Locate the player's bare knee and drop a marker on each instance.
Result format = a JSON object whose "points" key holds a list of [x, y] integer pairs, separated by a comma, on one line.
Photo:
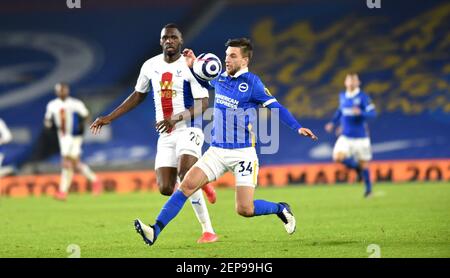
{"points": [[166, 186], [166, 189], [363, 165], [66, 164], [188, 186], [246, 211], [339, 157]]}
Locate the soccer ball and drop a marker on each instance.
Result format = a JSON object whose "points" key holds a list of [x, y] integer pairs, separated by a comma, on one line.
{"points": [[207, 66]]}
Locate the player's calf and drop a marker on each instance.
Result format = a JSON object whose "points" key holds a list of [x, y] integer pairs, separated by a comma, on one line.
{"points": [[166, 178]]}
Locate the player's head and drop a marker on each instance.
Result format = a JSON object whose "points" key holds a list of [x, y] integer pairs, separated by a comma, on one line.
{"points": [[238, 54], [62, 90], [352, 81], [171, 39]]}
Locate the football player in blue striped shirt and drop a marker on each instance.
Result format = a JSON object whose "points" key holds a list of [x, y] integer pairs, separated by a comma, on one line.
{"points": [[238, 92], [352, 147]]}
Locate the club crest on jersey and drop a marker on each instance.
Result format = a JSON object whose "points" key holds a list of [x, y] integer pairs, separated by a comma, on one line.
{"points": [[243, 87], [356, 101]]}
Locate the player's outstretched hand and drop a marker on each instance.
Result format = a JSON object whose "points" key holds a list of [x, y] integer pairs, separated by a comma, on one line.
{"points": [[307, 132], [329, 127], [165, 125], [189, 56], [98, 123]]}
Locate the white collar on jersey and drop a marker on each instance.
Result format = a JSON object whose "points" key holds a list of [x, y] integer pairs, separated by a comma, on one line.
{"points": [[238, 73], [352, 93]]}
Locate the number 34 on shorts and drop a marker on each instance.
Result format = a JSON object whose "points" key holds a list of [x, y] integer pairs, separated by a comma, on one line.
{"points": [[246, 172]]}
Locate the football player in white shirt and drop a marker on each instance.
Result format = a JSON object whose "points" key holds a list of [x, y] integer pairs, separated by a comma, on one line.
{"points": [[176, 93], [69, 116], [5, 138]]}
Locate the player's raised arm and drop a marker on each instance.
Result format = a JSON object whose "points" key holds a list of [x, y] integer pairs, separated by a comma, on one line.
{"points": [[262, 95], [288, 119], [189, 56], [131, 102]]}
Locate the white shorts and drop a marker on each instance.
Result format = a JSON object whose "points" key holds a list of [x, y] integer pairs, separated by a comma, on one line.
{"points": [[359, 148], [243, 163], [181, 141], [70, 146]]}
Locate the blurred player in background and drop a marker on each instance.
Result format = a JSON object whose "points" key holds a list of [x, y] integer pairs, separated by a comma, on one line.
{"points": [[69, 116], [235, 87], [5, 138], [352, 147], [178, 99]]}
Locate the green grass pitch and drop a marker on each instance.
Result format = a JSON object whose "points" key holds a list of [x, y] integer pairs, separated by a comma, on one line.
{"points": [[404, 220]]}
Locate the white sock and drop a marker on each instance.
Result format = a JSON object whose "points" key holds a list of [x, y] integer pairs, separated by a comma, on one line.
{"points": [[201, 211], [87, 172], [66, 179]]}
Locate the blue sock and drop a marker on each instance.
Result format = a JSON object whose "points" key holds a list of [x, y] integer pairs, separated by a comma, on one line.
{"points": [[366, 178], [264, 207], [351, 163], [171, 208]]}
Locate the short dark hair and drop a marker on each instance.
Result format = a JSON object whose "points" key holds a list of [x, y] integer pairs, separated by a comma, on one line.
{"points": [[62, 84], [244, 43], [172, 25]]}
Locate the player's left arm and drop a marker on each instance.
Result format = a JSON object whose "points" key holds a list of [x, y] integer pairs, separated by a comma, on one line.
{"points": [[262, 95], [367, 108]]}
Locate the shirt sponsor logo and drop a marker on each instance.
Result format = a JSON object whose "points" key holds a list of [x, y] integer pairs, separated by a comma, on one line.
{"points": [[166, 89], [227, 101]]}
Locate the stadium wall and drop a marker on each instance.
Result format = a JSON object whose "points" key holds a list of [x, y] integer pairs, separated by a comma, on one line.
{"points": [[295, 174]]}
